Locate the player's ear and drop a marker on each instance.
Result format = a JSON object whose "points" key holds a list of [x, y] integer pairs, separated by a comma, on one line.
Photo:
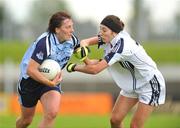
{"points": [[57, 30]]}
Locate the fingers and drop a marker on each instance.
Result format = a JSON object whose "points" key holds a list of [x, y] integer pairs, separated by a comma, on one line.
{"points": [[58, 78], [70, 67], [82, 53]]}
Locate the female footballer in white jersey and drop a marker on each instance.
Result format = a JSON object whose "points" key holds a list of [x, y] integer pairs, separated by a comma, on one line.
{"points": [[131, 68], [58, 43]]}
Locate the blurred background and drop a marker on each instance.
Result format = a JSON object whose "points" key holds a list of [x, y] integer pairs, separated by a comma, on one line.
{"points": [[153, 23]]}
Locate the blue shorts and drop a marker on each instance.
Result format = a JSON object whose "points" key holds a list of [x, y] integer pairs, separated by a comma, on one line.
{"points": [[30, 91]]}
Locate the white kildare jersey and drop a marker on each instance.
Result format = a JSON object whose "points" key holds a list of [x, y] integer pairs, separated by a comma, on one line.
{"points": [[129, 64]]}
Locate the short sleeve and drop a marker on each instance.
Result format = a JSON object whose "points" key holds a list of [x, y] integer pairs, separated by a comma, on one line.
{"points": [[40, 51], [116, 52]]}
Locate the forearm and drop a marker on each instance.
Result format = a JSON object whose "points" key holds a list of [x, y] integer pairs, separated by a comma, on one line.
{"points": [[92, 68], [36, 75], [89, 41], [88, 61], [89, 69]]}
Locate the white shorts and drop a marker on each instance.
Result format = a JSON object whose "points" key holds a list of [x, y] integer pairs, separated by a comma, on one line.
{"points": [[152, 93]]}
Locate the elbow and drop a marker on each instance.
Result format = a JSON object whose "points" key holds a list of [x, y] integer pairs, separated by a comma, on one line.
{"points": [[30, 71], [94, 72]]}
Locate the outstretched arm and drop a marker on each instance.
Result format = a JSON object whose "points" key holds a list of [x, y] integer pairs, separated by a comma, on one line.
{"points": [[83, 51], [89, 69], [88, 61], [89, 41]]}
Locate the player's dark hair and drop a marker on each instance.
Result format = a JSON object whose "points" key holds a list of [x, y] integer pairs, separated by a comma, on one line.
{"points": [[113, 22], [56, 20]]}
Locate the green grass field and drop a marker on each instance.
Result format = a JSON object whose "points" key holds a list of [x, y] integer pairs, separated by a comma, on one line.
{"points": [[161, 52], [67, 121]]}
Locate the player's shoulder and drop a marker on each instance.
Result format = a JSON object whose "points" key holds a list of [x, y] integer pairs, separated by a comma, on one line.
{"points": [[42, 36], [41, 40], [126, 37], [123, 33], [125, 43]]}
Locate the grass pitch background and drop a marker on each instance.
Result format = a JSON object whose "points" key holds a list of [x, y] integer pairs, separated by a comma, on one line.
{"points": [[95, 121], [161, 52]]}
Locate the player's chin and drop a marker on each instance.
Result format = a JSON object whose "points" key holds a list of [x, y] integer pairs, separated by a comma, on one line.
{"points": [[105, 41], [69, 37]]}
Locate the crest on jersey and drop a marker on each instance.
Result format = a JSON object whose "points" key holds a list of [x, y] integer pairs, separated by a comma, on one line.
{"points": [[40, 55]]}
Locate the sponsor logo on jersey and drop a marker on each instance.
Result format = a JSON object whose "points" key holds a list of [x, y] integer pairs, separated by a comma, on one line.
{"points": [[40, 55]]}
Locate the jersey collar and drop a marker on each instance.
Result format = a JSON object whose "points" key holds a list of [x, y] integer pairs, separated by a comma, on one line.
{"points": [[114, 40]]}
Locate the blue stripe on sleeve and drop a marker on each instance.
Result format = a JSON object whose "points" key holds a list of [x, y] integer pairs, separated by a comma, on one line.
{"points": [[120, 44]]}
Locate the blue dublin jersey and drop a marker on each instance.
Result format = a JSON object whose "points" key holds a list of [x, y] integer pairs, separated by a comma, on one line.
{"points": [[47, 46]]}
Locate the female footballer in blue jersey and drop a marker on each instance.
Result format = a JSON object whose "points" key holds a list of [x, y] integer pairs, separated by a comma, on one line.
{"points": [[131, 68], [58, 43]]}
